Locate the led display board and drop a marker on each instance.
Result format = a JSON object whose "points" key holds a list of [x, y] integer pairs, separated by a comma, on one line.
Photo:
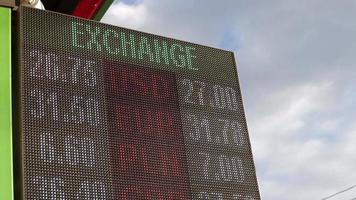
{"points": [[111, 113]]}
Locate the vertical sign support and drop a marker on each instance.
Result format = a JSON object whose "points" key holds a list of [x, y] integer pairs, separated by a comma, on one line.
{"points": [[6, 185], [102, 10]]}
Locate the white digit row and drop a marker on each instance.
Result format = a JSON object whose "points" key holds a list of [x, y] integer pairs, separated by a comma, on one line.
{"points": [[220, 196], [82, 110], [222, 168], [48, 66], [54, 189], [210, 195], [76, 151], [228, 132], [216, 96]]}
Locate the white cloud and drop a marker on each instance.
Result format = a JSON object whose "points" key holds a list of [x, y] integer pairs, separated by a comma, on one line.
{"points": [[130, 16], [293, 157], [196, 23], [281, 124]]}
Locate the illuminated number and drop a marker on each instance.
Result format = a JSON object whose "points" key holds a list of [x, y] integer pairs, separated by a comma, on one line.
{"points": [[206, 127], [71, 150], [217, 195], [76, 151], [51, 66], [87, 152], [188, 95], [237, 133], [201, 92], [89, 73], [77, 110], [203, 195], [40, 101], [219, 96], [206, 164], [237, 196], [229, 133], [237, 169], [92, 111], [230, 168], [193, 121], [53, 102], [212, 196], [79, 151], [74, 69], [47, 150], [37, 97], [42, 185], [240, 197], [51, 188], [56, 186], [231, 98], [225, 168], [44, 62], [37, 61], [199, 126], [234, 128], [224, 132], [84, 111], [92, 191]]}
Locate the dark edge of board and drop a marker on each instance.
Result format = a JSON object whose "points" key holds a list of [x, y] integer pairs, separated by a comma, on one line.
{"points": [[17, 105]]}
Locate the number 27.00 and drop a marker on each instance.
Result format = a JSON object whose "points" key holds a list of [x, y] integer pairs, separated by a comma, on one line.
{"points": [[204, 94]]}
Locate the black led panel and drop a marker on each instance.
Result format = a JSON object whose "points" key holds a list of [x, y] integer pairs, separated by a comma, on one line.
{"points": [[110, 113]]}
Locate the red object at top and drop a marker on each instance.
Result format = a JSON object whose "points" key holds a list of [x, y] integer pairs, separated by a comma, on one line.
{"points": [[87, 8]]}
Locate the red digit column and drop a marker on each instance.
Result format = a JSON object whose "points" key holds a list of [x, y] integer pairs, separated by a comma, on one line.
{"points": [[147, 147]]}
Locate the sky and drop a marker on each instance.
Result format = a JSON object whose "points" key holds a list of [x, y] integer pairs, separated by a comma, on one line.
{"points": [[297, 67]]}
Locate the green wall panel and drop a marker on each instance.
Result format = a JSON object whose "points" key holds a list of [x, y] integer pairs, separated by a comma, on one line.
{"points": [[6, 186]]}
